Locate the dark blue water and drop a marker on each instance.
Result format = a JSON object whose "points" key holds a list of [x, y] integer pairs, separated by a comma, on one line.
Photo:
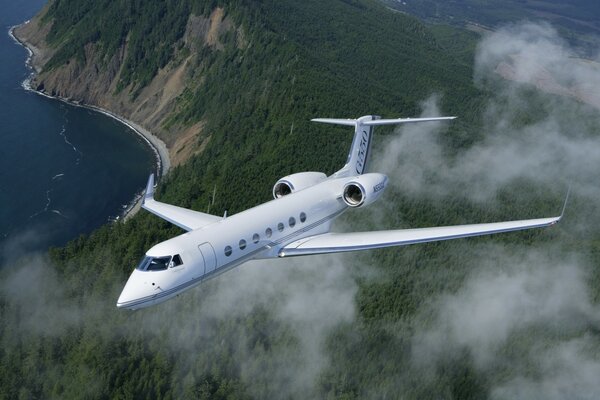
{"points": [[64, 170]]}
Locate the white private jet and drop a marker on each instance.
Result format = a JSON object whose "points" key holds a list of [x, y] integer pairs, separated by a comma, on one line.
{"points": [[295, 223]]}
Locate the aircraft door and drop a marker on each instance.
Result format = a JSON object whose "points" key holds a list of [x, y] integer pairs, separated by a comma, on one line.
{"points": [[210, 258]]}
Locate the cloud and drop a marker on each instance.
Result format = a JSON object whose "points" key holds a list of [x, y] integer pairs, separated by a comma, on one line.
{"points": [[272, 318], [524, 316], [542, 139], [268, 322], [568, 371], [310, 296], [514, 290], [36, 302], [529, 48], [535, 54]]}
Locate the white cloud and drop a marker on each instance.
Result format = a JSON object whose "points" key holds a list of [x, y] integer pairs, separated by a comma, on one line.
{"points": [[568, 371], [505, 294], [554, 144]]}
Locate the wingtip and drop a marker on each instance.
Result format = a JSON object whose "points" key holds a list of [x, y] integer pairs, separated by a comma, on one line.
{"points": [[564, 207], [149, 193]]}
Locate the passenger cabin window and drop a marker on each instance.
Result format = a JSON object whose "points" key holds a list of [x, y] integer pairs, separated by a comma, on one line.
{"points": [[280, 227], [268, 232], [302, 217], [228, 251], [292, 222], [154, 263], [242, 244], [255, 238]]}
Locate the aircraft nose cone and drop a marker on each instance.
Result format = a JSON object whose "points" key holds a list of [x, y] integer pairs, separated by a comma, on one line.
{"points": [[124, 298], [135, 289]]}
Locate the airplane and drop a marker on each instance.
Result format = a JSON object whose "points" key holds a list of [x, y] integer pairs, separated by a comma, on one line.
{"points": [[296, 222]]}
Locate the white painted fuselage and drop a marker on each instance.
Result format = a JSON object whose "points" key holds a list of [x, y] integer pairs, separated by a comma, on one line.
{"points": [[259, 232]]}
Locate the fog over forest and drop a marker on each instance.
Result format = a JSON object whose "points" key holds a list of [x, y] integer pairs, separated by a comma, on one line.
{"points": [[524, 318]]}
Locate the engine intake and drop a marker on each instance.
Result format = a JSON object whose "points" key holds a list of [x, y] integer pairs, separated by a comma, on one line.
{"points": [[354, 194], [295, 182], [364, 189], [282, 188]]}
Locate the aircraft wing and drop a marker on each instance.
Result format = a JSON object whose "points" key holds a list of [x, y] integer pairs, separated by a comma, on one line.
{"points": [[182, 217], [340, 242]]}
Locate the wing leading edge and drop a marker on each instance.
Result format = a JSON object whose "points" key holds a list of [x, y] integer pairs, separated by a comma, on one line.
{"points": [[341, 242], [188, 220]]}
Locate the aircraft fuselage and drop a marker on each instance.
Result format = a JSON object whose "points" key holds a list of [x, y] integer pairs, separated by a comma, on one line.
{"points": [[258, 232]]}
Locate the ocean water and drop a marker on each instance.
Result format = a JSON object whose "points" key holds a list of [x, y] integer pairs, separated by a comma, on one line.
{"points": [[64, 170]]}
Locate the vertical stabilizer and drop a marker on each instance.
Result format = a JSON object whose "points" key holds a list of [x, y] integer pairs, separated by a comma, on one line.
{"points": [[358, 158]]}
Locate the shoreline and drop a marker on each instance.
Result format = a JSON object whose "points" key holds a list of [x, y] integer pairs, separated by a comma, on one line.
{"points": [[158, 147]]}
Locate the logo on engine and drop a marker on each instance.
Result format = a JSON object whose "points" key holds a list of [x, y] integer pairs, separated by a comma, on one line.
{"points": [[379, 186]]}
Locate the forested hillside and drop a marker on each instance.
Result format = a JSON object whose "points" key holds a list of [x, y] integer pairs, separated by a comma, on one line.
{"points": [[578, 20], [469, 319]]}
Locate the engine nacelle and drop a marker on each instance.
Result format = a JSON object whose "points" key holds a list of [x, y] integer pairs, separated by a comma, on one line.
{"points": [[364, 189], [295, 182]]}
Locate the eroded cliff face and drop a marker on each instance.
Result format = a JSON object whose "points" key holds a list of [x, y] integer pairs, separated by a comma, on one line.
{"points": [[94, 80]]}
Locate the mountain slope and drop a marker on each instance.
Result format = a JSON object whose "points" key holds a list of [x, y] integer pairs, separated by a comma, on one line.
{"points": [[171, 80], [252, 73]]}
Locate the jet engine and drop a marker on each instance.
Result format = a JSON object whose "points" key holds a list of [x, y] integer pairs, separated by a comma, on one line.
{"points": [[364, 189], [295, 182]]}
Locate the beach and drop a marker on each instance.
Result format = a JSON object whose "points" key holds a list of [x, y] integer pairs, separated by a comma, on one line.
{"points": [[158, 146], [163, 162]]}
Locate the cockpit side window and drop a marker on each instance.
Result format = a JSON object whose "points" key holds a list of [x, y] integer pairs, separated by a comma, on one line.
{"points": [[176, 261]]}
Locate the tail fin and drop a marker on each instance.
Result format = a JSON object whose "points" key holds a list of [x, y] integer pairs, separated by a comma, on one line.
{"points": [[356, 164]]}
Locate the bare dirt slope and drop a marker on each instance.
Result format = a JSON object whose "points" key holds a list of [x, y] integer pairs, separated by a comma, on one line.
{"points": [[94, 82]]}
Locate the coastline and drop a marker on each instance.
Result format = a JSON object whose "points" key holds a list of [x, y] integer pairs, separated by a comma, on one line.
{"points": [[161, 152]]}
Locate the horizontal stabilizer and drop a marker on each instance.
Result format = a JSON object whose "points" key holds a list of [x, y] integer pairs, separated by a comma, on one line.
{"points": [[341, 242], [188, 220], [335, 121], [378, 122]]}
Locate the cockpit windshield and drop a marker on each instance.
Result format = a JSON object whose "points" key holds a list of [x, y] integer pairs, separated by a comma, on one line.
{"points": [[154, 263], [159, 263]]}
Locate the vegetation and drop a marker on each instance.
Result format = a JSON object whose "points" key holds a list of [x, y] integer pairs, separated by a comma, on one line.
{"points": [[577, 20], [150, 29], [62, 336]]}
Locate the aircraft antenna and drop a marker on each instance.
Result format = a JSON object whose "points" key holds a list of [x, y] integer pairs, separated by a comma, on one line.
{"points": [[212, 202]]}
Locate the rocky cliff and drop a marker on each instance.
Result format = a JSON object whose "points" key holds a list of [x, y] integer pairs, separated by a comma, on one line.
{"points": [[94, 79]]}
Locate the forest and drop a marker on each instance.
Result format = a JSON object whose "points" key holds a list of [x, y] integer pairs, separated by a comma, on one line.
{"points": [[577, 20], [509, 316]]}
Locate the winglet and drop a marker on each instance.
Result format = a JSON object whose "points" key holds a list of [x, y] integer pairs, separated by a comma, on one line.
{"points": [[564, 207], [149, 194], [565, 204]]}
